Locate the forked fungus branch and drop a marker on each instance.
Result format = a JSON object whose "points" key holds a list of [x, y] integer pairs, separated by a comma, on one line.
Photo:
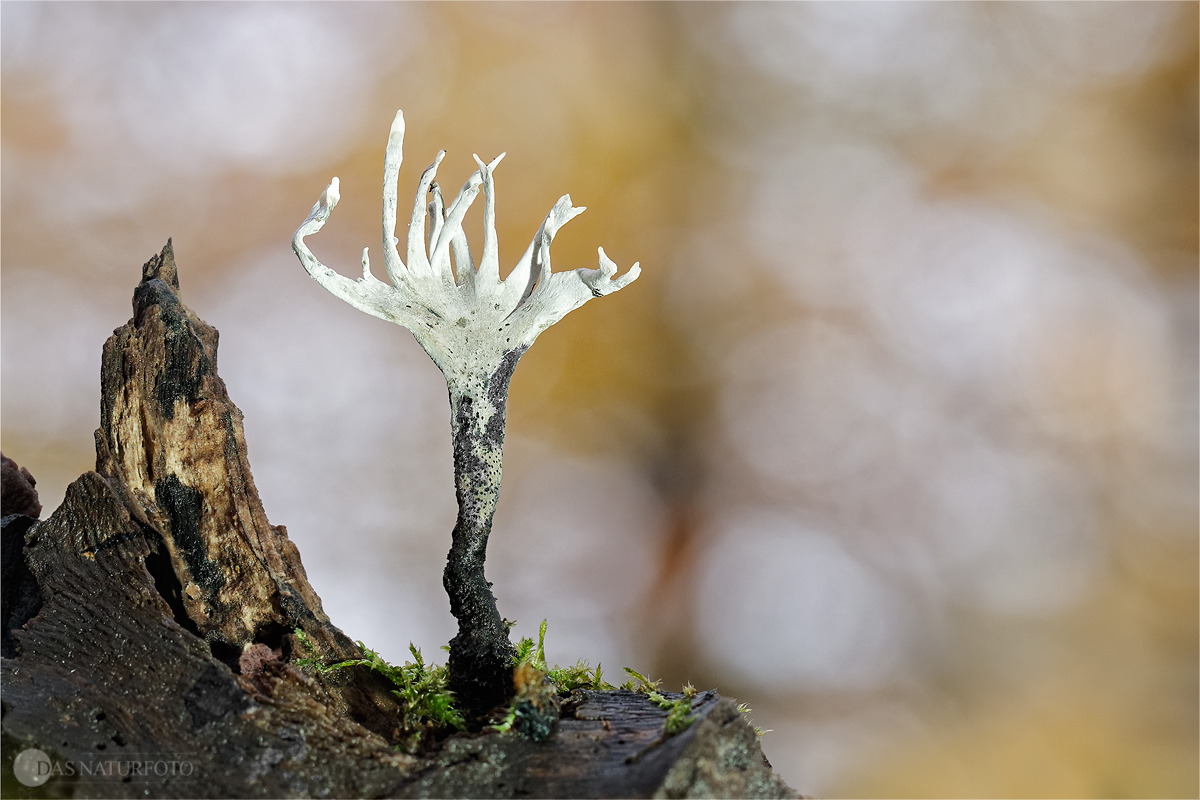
{"points": [[475, 327]]}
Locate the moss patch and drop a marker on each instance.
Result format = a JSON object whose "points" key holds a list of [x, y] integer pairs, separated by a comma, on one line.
{"points": [[429, 707]]}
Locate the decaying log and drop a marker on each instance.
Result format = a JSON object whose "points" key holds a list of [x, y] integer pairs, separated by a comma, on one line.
{"points": [[149, 620]]}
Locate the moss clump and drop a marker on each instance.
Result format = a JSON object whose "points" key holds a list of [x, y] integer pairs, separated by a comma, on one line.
{"points": [[429, 707], [679, 712], [430, 710], [639, 683], [581, 676], [567, 679]]}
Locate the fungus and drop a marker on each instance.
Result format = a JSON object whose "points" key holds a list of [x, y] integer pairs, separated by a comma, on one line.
{"points": [[475, 327]]}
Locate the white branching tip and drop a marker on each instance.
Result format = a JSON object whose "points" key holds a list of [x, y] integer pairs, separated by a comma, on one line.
{"points": [[466, 319], [485, 169], [331, 195], [324, 205]]}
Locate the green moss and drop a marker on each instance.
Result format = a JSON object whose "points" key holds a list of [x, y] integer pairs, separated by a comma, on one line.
{"points": [[745, 712], [429, 708], [643, 684], [506, 723], [567, 679], [679, 712], [581, 676], [304, 643]]}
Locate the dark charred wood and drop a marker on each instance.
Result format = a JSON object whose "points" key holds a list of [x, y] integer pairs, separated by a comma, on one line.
{"points": [[21, 598], [17, 492]]}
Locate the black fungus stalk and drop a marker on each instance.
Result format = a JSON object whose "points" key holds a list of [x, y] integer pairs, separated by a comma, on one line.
{"points": [[481, 655]]}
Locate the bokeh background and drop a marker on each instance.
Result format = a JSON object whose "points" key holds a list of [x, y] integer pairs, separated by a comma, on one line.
{"points": [[895, 439]]}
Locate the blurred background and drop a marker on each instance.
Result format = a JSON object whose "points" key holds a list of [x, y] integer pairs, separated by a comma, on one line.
{"points": [[894, 440]]}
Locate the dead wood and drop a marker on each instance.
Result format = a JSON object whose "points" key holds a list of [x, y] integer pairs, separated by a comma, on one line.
{"points": [[149, 620]]}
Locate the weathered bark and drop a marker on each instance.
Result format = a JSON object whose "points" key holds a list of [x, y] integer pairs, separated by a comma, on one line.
{"points": [[148, 620], [171, 445], [171, 439], [106, 672]]}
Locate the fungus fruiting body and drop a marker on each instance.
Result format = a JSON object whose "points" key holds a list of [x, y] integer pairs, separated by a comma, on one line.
{"points": [[475, 327]]}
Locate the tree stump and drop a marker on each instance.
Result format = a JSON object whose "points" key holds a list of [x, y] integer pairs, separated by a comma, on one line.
{"points": [[149, 641]]}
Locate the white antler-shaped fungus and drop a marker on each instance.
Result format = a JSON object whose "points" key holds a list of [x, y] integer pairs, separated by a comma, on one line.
{"points": [[475, 327], [466, 318]]}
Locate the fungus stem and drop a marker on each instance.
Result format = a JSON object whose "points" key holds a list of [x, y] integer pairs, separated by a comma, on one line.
{"points": [[481, 655]]}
